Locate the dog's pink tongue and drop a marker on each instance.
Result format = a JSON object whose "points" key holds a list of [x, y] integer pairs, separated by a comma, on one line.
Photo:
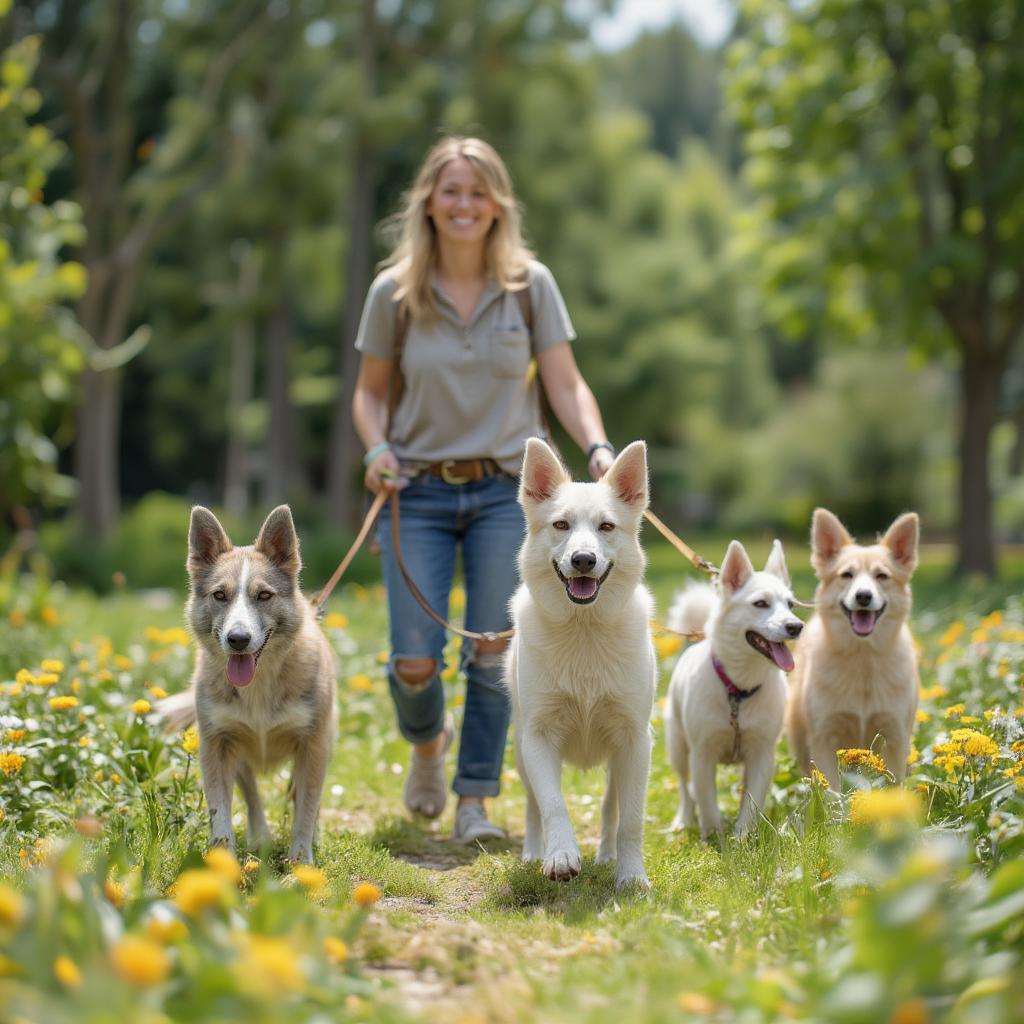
{"points": [[582, 587], [782, 657], [241, 669], [863, 623]]}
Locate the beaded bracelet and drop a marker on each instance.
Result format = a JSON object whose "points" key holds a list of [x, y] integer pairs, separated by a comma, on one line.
{"points": [[600, 444], [378, 449]]}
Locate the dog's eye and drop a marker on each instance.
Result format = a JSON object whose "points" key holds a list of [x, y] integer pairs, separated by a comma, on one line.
{"points": [[607, 527], [847, 575], [761, 604], [791, 605], [560, 524], [219, 595], [881, 575], [264, 595]]}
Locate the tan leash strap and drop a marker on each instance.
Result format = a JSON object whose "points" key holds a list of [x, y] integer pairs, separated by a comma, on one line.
{"points": [[378, 503], [416, 593], [683, 548]]}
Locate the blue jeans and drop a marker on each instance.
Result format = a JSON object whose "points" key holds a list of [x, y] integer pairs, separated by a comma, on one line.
{"points": [[437, 518]]}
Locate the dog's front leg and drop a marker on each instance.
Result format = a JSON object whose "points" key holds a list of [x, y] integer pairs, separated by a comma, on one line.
{"points": [[630, 767], [308, 778], [533, 841], [561, 854], [217, 766], [609, 819], [702, 777], [259, 832], [757, 777]]}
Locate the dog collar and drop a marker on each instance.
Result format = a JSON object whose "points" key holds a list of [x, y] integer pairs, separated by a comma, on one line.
{"points": [[734, 692]]}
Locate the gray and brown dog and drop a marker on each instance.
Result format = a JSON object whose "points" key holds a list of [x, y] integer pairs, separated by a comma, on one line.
{"points": [[263, 685]]}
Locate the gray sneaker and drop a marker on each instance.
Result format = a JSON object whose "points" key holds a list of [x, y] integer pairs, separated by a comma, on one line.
{"points": [[425, 790], [471, 825]]}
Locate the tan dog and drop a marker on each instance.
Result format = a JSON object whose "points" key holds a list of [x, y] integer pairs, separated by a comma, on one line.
{"points": [[856, 668], [263, 685]]}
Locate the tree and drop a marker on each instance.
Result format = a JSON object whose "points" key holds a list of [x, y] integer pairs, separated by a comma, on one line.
{"points": [[886, 140]]}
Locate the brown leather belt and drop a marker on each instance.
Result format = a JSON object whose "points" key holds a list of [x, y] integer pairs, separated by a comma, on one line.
{"points": [[464, 471]]}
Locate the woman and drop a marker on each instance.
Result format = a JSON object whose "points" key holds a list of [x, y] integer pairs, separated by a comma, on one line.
{"points": [[448, 298]]}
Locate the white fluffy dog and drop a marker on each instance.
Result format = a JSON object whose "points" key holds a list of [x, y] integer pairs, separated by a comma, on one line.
{"points": [[728, 693], [581, 666]]}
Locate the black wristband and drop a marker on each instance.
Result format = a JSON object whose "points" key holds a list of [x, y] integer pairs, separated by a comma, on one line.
{"points": [[600, 444]]}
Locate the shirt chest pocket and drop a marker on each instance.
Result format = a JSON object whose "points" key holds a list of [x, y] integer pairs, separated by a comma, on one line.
{"points": [[509, 351]]}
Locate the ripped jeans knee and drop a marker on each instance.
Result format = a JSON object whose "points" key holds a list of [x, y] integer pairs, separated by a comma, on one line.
{"points": [[414, 673], [484, 662]]}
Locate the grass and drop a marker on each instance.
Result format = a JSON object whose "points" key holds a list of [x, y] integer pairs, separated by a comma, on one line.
{"points": [[810, 918]]}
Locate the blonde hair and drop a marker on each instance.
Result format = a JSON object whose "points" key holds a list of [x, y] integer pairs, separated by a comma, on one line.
{"points": [[414, 256]]}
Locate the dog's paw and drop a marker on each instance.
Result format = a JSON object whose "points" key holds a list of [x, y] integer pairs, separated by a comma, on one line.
{"points": [[223, 842], [605, 855], [532, 853], [561, 865], [682, 821], [633, 878], [301, 853]]}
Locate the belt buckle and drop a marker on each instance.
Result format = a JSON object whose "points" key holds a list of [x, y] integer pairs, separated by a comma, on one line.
{"points": [[448, 476]]}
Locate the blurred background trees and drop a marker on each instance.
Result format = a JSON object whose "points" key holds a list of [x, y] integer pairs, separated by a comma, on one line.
{"points": [[790, 259]]}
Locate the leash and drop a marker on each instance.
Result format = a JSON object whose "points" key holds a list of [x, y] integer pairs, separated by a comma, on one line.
{"points": [[736, 697], [699, 563], [319, 600]]}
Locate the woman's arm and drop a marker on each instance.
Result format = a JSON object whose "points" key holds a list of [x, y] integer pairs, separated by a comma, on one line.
{"points": [[574, 404], [370, 416]]}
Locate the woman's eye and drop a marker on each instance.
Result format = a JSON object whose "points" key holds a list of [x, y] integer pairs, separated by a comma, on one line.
{"points": [[606, 527], [560, 524], [264, 595], [219, 595]]}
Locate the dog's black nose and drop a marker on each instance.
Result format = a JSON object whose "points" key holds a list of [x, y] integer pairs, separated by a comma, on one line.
{"points": [[238, 639], [584, 561], [794, 629], [863, 598]]}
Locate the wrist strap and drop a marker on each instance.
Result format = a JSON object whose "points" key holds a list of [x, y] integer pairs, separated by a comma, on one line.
{"points": [[378, 449], [600, 444]]}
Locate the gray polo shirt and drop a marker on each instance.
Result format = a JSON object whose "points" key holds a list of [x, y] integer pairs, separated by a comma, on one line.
{"points": [[466, 392]]}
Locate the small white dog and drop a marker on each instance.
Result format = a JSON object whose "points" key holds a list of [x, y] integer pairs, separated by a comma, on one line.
{"points": [[581, 667], [728, 693]]}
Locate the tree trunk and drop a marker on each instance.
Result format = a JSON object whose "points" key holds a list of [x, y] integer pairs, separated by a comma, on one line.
{"points": [[979, 394], [284, 477], [97, 452], [344, 451]]}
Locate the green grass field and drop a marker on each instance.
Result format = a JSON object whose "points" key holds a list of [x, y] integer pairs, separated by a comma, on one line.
{"points": [[870, 908]]}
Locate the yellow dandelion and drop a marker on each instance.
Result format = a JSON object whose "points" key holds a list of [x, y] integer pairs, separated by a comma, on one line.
{"points": [[970, 719], [197, 889], [85, 741], [271, 964], [335, 620], [383, 657], [360, 682], [884, 806], [157, 692], [140, 961], [23, 677], [696, 1002], [115, 892], [450, 673], [335, 949], [366, 894], [955, 710], [50, 616], [856, 757], [46, 679], [190, 741], [992, 620], [104, 675], [974, 743], [914, 756], [312, 879], [166, 929], [818, 779], [76, 684], [11, 763], [221, 860], [67, 973], [251, 866], [932, 692], [952, 634], [99, 775], [52, 665], [12, 907], [14, 690], [63, 703], [14, 735], [666, 646], [142, 707], [115, 778], [123, 663], [16, 617]]}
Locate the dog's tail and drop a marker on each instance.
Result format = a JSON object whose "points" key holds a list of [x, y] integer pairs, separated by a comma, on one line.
{"points": [[177, 712], [691, 608]]}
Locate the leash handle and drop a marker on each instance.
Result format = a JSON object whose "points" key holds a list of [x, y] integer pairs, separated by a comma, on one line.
{"points": [[683, 548], [368, 520]]}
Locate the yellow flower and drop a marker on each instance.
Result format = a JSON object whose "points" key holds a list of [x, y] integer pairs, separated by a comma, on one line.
{"points": [[914, 756], [994, 619], [457, 600], [52, 665], [932, 692], [140, 961], [950, 637], [818, 779], [312, 879], [166, 929], [67, 972], [335, 949], [190, 741], [366, 894], [251, 866], [955, 710], [63, 703], [696, 1002], [382, 657], [157, 692], [115, 778], [11, 764], [23, 677], [12, 907], [269, 964], [855, 757], [970, 719], [123, 663], [16, 617], [114, 891], [912, 1011], [50, 616], [84, 741], [884, 806], [13, 735], [223, 862], [335, 620], [197, 889], [450, 673], [360, 682], [46, 679], [76, 684], [666, 646], [974, 743], [142, 707]]}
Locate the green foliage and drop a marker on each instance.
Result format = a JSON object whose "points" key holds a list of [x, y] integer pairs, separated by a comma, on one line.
{"points": [[39, 352]]}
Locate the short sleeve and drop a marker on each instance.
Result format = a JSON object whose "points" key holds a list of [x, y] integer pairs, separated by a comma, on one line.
{"points": [[551, 323], [376, 335]]}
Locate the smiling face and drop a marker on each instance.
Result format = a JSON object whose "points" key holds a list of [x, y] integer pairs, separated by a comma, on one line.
{"points": [[460, 205]]}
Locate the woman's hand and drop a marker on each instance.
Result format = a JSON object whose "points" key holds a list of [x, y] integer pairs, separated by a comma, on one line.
{"points": [[385, 472], [600, 462]]}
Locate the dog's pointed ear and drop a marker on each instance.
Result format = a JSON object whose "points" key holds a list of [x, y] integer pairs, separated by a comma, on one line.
{"points": [[279, 541], [901, 540], [736, 567], [207, 540], [828, 536], [776, 563], [542, 473], [628, 475]]}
